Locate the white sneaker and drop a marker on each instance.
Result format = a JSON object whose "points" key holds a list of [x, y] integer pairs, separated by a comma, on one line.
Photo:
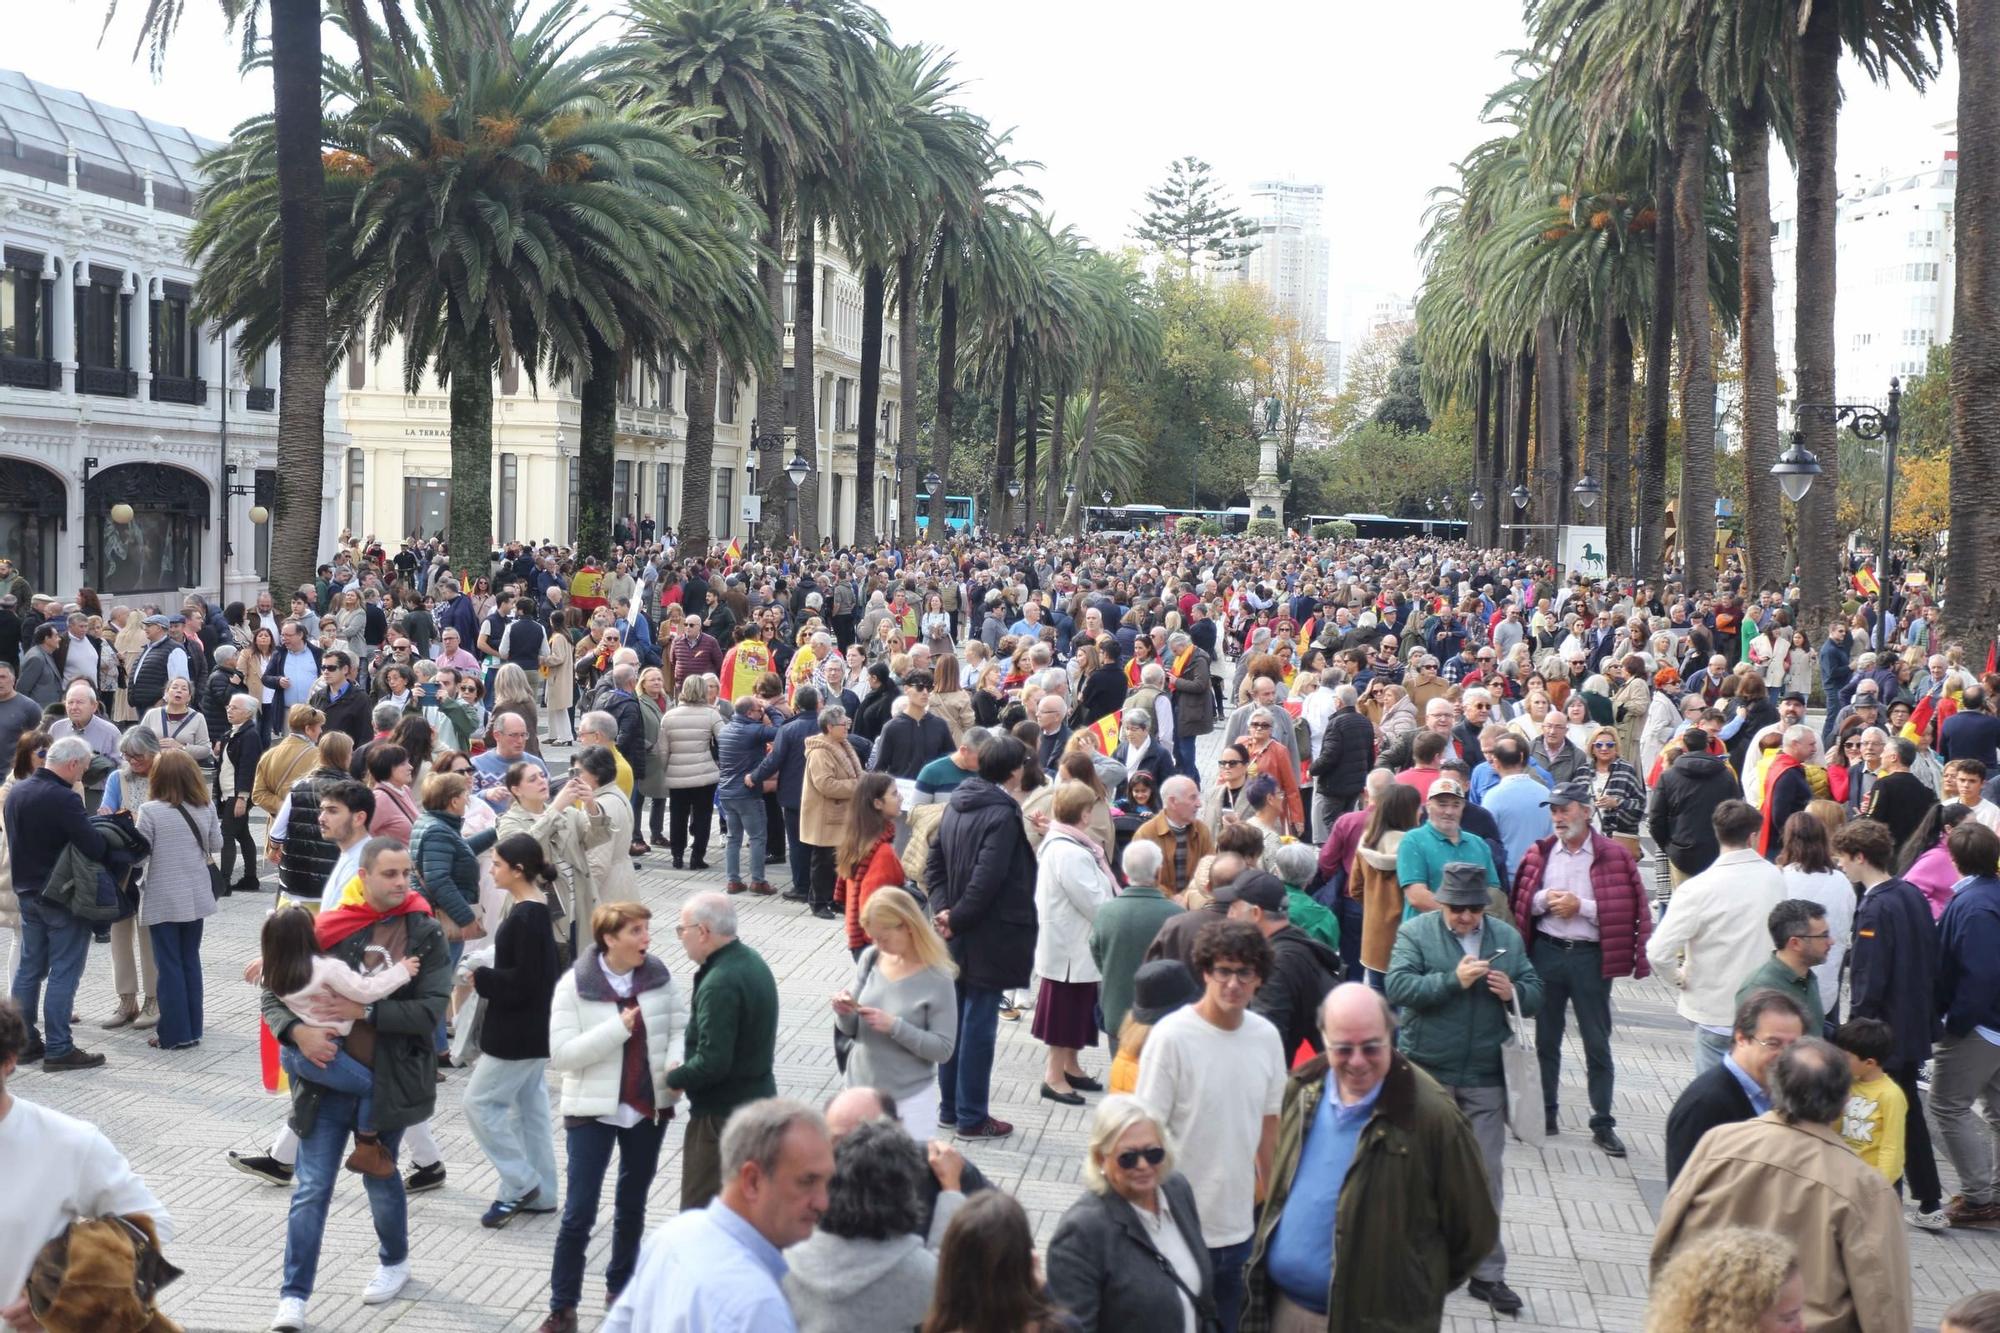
{"points": [[388, 1280], [291, 1316]]}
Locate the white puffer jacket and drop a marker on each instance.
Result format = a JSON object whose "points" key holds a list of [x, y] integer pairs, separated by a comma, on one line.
{"points": [[1069, 889], [587, 1038]]}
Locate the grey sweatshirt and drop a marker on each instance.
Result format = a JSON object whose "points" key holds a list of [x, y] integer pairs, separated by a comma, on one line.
{"points": [[903, 1061], [837, 1285]]}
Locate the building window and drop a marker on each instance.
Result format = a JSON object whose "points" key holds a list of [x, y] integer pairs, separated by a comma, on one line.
{"points": [[725, 397], [33, 505], [664, 515], [839, 497], [173, 341], [100, 331], [575, 501], [840, 404], [621, 489], [357, 477], [791, 292], [426, 506], [357, 365], [155, 551], [723, 520], [21, 327], [510, 494], [790, 380]]}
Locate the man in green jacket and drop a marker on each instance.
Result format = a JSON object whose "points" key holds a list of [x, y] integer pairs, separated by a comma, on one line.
{"points": [[394, 1037], [1456, 973], [1802, 942], [1123, 930], [731, 1039], [1377, 1204]]}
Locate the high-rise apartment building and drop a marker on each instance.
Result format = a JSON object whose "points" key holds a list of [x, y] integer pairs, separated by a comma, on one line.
{"points": [[1290, 258]]}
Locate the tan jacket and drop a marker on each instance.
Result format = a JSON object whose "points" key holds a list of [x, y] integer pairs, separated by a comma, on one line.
{"points": [[1200, 843], [833, 770], [282, 765], [1801, 1181], [1374, 883], [956, 710]]}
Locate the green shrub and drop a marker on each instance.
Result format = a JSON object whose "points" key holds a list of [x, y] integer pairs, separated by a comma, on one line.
{"points": [[1337, 530], [1264, 527], [1208, 527], [1187, 525]]}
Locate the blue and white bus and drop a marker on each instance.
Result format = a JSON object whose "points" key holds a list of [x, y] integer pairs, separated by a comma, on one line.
{"points": [[961, 512]]}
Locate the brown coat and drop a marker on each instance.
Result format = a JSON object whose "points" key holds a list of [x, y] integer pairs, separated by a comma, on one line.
{"points": [[1374, 883], [832, 772], [1200, 843], [1801, 1181]]}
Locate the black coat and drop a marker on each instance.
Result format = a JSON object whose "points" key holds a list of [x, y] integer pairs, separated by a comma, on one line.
{"points": [[1346, 753], [1302, 971], [1158, 762], [1102, 694], [1105, 1272], [1894, 965], [353, 712], [982, 871], [214, 701], [1049, 747], [1683, 817], [1714, 1098], [518, 985], [624, 710]]}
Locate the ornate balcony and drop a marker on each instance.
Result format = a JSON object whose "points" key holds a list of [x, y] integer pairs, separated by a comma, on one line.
{"points": [[28, 372], [174, 389], [105, 382], [261, 400]]}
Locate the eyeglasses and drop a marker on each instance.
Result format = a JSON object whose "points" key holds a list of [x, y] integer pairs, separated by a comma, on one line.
{"points": [[1823, 935], [1129, 1159], [1774, 1043], [1348, 1050], [1233, 974], [1260, 726]]}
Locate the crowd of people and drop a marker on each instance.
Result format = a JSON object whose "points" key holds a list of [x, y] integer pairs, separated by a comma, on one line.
{"points": [[1293, 983]]}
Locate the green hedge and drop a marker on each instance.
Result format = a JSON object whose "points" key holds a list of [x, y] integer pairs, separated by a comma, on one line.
{"points": [[1338, 530], [1187, 525], [1264, 527], [1208, 527]]}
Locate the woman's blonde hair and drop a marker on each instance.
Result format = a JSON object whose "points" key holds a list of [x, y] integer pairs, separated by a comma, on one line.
{"points": [[891, 904], [1722, 1282], [177, 780], [1116, 1114], [1597, 734], [693, 691], [441, 789], [510, 686], [1072, 803]]}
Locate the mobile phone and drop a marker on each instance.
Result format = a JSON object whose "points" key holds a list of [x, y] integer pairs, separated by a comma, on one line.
{"points": [[1496, 956]]}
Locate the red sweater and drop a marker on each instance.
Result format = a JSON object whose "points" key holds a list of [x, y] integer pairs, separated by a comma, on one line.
{"points": [[1624, 916], [884, 867]]}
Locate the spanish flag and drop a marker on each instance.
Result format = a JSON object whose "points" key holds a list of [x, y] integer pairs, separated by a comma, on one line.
{"points": [[1306, 634], [1107, 728], [734, 552], [743, 666], [1864, 582]]}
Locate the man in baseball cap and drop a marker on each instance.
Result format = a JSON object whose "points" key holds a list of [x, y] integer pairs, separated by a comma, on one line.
{"points": [[1437, 842]]}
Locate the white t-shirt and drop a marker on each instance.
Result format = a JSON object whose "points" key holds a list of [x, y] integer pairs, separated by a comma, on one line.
{"points": [[56, 1170], [1212, 1088]]}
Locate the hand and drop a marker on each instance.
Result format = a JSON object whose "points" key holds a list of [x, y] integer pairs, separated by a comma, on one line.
{"points": [[342, 1007], [947, 1164], [413, 965], [879, 1019], [275, 853], [749, 781], [843, 1003], [21, 1319], [1564, 904], [1470, 970], [253, 972], [1501, 985], [284, 682], [1040, 819], [475, 931], [629, 1017], [242, 806], [316, 1044]]}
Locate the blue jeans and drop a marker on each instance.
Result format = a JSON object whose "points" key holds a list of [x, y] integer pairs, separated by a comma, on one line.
{"points": [[177, 954], [590, 1146], [746, 819], [1184, 756], [1228, 1261], [345, 1074], [1709, 1048], [54, 945], [965, 1080], [507, 1109], [318, 1168]]}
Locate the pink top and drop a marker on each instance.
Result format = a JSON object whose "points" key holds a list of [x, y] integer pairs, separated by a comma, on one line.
{"points": [[333, 979], [1935, 877]]}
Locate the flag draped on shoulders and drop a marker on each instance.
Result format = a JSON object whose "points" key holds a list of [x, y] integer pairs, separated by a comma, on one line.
{"points": [[742, 666]]}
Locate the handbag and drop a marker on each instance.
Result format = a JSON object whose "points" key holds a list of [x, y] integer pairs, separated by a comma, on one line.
{"points": [[217, 886], [843, 1045], [1522, 1071]]}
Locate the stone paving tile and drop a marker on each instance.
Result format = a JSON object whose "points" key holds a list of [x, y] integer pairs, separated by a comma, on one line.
{"points": [[1578, 1224]]}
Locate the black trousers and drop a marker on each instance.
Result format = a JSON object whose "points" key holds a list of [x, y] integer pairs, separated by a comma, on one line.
{"points": [[690, 809], [821, 888], [659, 815], [1920, 1171], [235, 834]]}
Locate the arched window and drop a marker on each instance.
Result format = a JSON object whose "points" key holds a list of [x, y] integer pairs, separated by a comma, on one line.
{"points": [[33, 506], [156, 551]]}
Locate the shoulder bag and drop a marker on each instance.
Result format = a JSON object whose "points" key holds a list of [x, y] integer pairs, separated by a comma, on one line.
{"points": [[217, 886], [843, 1045]]}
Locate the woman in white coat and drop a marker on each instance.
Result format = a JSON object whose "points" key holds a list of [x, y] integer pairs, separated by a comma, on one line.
{"points": [[612, 878], [1072, 882], [615, 1025]]}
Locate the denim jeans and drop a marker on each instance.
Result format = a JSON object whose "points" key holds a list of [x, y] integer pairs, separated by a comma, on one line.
{"points": [[1228, 1261], [507, 1109], [177, 955], [1184, 756], [54, 945], [318, 1168], [343, 1074], [745, 815], [1709, 1048], [590, 1146], [796, 854], [965, 1080]]}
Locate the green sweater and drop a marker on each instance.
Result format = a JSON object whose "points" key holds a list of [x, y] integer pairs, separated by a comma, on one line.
{"points": [[732, 1033], [1453, 1032], [1777, 975], [1119, 937]]}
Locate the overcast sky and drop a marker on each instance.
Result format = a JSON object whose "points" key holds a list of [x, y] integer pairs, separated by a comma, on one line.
{"points": [[1106, 93]]}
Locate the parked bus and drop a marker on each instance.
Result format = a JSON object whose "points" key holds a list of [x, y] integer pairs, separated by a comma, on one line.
{"points": [[1159, 518], [961, 512]]}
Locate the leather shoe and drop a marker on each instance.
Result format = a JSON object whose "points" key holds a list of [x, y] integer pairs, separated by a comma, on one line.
{"points": [[1049, 1094], [1608, 1140], [825, 913], [1550, 1124], [1497, 1294], [1085, 1083], [989, 1128]]}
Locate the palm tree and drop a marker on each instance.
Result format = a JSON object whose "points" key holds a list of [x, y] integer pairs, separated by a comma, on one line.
{"points": [[1972, 568], [1124, 340]]}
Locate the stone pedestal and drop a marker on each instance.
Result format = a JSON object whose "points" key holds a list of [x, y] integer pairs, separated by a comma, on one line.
{"points": [[1267, 500]]}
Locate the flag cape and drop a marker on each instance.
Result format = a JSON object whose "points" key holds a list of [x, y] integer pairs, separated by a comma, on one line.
{"points": [[1306, 633], [743, 666]]}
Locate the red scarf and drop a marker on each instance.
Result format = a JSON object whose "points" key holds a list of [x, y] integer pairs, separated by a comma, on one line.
{"points": [[1781, 764], [331, 927]]}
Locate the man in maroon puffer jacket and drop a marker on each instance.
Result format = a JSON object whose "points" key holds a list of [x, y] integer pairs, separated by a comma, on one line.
{"points": [[1579, 900]]}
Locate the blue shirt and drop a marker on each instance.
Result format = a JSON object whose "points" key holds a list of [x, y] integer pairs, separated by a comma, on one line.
{"points": [[1760, 1100], [1516, 806], [299, 670], [1301, 1254], [707, 1271]]}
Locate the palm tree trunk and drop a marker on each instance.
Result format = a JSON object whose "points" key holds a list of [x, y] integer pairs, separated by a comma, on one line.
{"points": [[1031, 422], [1697, 365], [805, 382], [1815, 114], [302, 317], [1496, 459], [1567, 449], [873, 285], [1003, 458], [698, 469], [947, 395], [1972, 565], [1052, 486], [1524, 410], [770, 444], [1763, 511], [1549, 412], [1618, 450], [1073, 515], [1652, 489], [597, 448], [807, 385], [1596, 403], [471, 533], [1482, 444], [909, 486]]}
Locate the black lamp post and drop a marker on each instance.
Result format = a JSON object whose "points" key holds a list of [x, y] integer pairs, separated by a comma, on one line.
{"points": [[750, 470], [1797, 468]]}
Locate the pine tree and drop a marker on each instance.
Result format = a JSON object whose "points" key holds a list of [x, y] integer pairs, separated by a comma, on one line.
{"points": [[1188, 218]]}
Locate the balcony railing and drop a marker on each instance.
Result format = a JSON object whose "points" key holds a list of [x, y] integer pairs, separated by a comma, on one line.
{"points": [[106, 382], [175, 389], [28, 372], [261, 400]]}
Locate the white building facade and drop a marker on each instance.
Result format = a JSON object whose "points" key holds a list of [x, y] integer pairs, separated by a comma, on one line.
{"points": [[133, 447], [1290, 258], [1895, 269]]}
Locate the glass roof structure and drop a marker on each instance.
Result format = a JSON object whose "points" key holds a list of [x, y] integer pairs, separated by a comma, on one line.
{"points": [[115, 148]]}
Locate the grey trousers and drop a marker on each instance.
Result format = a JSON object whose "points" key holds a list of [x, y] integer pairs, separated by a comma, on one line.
{"points": [[1486, 1110], [1965, 1070]]}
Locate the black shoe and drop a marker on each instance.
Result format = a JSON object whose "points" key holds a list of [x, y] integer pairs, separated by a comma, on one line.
{"points": [[1049, 1094], [1550, 1126], [794, 896], [424, 1178], [74, 1058], [825, 913], [678, 866], [1607, 1139], [267, 1169], [1084, 1083], [34, 1051], [697, 864], [501, 1211], [247, 886], [1497, 1294], [659, 840]]}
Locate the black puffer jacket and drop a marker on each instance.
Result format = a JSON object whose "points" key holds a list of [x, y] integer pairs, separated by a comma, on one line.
{"points": [[307, 857], [1302, 971], [1346, 753], [1683, 818], [982, 871]]}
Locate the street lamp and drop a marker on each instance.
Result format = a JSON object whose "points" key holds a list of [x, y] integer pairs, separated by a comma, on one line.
{"points": [[1797, 467], [1520, 494], [797, 470], [1478, 499], [1013, 490], [1586, 491]]}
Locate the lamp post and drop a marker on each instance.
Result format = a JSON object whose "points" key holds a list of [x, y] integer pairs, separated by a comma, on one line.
{"points": [[1520, 497], [750, 471], [1586, 491], [933, 487], [1069, 497], [258, 516], [1797, 468]]}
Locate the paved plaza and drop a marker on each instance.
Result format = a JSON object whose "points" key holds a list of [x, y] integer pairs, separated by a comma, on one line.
{"points": [[1578, 1225]]}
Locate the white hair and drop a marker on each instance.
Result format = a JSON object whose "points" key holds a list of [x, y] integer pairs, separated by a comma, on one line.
{"points": [[714, 911], [598, 722], [1142, 861], [69, 749]]}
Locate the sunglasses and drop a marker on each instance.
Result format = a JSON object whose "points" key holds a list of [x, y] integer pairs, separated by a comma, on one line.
{"points": [[1604, 745], [1129, 1159], [1229, 763]]}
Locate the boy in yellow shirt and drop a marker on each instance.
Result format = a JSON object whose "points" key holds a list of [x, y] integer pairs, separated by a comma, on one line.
{"points": [[1876, 1107]]}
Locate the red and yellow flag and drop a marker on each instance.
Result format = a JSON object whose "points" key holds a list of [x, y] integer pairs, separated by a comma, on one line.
{"points": [[743, 666], [1106, 728], [734, 551], [1864, 582]]}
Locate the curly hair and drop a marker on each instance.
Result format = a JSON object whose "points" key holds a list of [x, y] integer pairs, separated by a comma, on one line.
{"points": [[1721, 1282], [874, 1193]]}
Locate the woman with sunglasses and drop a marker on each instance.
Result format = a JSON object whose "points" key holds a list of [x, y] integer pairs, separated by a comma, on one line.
{"points": [[1275, 762], [1618, 797], [1130, 1249]]}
